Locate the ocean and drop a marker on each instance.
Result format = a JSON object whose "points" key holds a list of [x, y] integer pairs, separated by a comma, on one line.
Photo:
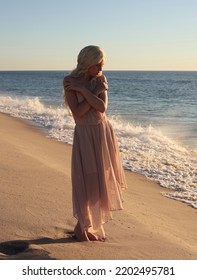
{"points": [[153, 113]]}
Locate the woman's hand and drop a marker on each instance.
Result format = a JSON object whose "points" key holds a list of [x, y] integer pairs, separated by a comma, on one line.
{"points": [[101, 85], [73, 84]]}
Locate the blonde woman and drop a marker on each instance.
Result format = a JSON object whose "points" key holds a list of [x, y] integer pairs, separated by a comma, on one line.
{"points": [[97, 174]]}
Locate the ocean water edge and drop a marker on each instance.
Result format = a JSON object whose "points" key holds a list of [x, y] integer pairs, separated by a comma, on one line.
{"points": [[153, 114]]}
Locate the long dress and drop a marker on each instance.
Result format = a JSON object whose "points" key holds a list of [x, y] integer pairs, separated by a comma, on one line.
{"points": [[97, 174]]}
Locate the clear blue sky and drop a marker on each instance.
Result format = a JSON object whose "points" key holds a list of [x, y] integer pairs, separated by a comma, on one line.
{"points": [[135, 34]]}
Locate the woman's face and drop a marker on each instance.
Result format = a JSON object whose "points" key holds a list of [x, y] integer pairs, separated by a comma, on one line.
{"points": [[95, 70]]}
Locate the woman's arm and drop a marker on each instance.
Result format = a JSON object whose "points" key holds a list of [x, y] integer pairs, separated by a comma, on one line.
{"points": [[98, 100], [101, 89], [99, 103], [78, 109]]}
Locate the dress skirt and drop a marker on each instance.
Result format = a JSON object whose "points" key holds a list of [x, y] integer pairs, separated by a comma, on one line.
{"points": [[97, 174]]}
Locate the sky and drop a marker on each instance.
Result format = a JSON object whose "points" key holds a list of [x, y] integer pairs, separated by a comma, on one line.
{"points": [[135, 34]]}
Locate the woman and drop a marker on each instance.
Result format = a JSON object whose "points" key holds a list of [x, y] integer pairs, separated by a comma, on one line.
{"points": [[97, 174]]}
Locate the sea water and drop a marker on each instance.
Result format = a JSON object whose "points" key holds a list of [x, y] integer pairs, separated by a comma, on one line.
{"points": [[154, 116]]}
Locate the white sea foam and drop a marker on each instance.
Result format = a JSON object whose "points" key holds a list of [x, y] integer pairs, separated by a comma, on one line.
{"points": [[143, 149], [56, 120]]}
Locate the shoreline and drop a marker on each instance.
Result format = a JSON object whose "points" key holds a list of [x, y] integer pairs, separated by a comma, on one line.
{"points": [[36, 207]]}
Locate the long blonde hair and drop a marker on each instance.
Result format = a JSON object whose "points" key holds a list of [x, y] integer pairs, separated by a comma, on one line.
{"points": [[87, 57]]}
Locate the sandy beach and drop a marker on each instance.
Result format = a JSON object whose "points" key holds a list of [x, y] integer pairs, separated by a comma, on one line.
{"points": [[36, 208]]}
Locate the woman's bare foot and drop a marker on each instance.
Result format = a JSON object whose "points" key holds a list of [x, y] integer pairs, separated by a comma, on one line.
{"points": [[91, 236], [96, 236], [79, 235], [88, 235]]}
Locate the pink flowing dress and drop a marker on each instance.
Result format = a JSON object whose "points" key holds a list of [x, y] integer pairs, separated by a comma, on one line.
{"points": [[97, 174]]}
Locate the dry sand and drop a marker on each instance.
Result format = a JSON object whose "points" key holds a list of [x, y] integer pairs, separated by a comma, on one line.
{"points": [[36, 208]]}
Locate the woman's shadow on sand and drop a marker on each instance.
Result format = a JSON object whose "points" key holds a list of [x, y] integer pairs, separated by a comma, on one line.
{"points": [[29, 249]]}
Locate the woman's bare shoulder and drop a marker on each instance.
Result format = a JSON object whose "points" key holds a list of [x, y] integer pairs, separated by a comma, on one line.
{"points": [[68, 79]]}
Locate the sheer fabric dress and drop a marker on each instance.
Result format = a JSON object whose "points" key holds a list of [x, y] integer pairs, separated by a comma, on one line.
{"points": [[97, 174]]}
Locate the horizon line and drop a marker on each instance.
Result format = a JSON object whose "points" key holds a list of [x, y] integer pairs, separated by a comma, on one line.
{"points": [[115, 70]]}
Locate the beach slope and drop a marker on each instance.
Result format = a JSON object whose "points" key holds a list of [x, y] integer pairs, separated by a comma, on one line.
{"points": [[36, 207]]}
